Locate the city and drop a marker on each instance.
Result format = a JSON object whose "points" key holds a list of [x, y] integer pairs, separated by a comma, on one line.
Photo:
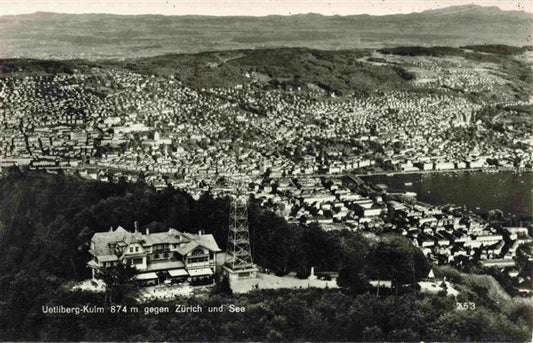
{"points": [[294, 144], [274, 193]]}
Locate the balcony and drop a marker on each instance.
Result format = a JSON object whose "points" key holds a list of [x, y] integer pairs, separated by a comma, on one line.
{"points": [[238, 241]]}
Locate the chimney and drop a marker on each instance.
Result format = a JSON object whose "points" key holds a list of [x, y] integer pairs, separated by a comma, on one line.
{"points": [[111, 229], [147, 230], [200, 232], [135, 226]]}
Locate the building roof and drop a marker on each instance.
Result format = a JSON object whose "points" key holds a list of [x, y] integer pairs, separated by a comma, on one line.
{"points": [[103, 240], [206, 241], [145, 276], [109, 246]]}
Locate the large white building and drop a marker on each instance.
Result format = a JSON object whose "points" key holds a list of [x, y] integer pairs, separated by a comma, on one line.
{"points": [[169, 255]]}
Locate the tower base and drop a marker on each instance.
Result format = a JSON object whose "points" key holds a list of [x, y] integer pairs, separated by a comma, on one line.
{"points": [[239, 274]]}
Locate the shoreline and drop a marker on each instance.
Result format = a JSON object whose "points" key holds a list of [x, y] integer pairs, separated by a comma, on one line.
{"points": [[450, 171], [481, 210]]}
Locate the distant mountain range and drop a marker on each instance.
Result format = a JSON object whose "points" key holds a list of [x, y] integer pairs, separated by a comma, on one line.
{"points": [[94, 36]]}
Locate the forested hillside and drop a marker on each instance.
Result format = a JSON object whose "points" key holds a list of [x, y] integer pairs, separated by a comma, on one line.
{"points": [[46, 221]]}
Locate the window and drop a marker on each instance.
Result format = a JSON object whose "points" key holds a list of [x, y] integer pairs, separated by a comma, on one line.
{"points": [[158, 247], [197, 259], [137, 261], [136, 249], [131, 249]]}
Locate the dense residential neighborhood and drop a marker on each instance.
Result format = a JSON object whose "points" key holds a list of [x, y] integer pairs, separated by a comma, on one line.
{"points": [[104, 121], [292, 144]]}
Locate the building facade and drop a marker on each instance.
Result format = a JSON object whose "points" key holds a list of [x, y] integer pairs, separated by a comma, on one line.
{"points": [[171, 255]]}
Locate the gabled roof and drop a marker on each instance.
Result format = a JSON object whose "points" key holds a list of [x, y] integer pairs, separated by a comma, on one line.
{"points": [[104, 242], [188, 248], [207, 241]]}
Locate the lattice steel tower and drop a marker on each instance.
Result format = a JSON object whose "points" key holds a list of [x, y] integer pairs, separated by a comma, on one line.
{"points": [[239, 262]]}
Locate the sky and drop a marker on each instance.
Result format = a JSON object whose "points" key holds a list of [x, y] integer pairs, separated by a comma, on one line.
{"points": [[248, 7]]}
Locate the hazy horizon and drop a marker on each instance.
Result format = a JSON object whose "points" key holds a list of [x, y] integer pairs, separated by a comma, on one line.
{"points": [[97, 36], [254, 8]]}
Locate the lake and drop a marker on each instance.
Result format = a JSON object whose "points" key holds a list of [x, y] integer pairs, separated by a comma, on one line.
{"points": [[479, 192]]}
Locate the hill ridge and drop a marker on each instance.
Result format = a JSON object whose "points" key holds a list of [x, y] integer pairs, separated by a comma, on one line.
{"points": [[448, 9], [49, 35]]}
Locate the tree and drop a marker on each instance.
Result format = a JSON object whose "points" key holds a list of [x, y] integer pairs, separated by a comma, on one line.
{"points": [[373, 333], [353, 272], [399, 261], [222, 286], [523, 255], [117, 280], [495, 215], [23, 294]]}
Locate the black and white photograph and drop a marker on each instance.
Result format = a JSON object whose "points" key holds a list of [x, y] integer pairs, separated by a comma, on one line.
{"points": [[266, 171]]}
